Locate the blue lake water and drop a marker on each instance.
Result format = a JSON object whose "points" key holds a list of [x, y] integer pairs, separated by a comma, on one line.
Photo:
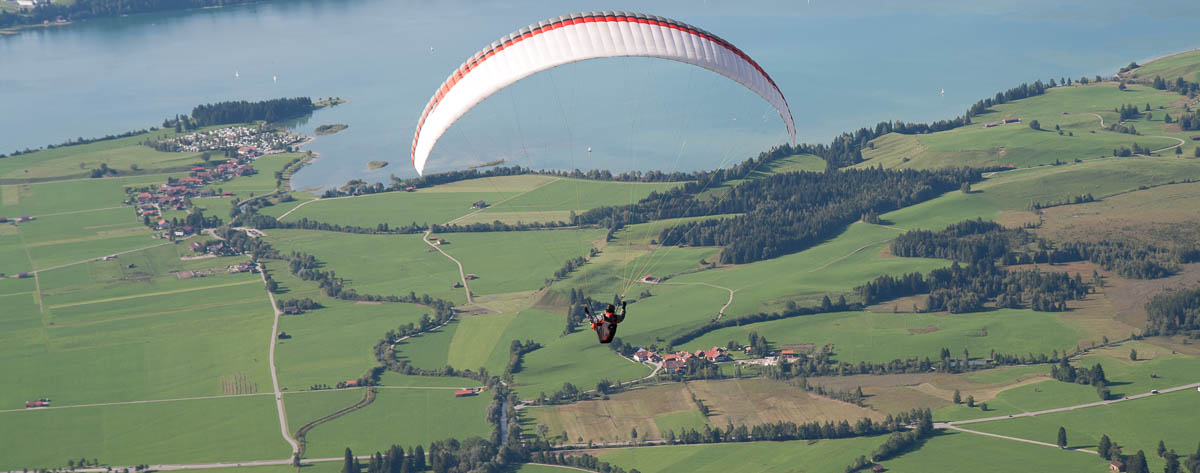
{"points": [[842, 65]]}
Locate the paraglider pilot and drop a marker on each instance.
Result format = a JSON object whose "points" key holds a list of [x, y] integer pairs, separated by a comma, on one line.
{"points": [[605, 324]]}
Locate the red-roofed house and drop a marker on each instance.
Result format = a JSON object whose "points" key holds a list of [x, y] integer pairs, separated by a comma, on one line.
{"points": [[1011, 120], [672, 365], [351, 383], [465, 393], [788, 353]]}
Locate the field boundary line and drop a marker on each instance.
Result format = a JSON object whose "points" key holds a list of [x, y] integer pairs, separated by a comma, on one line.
{"points": [[160, 293], [472, 213], [81, 211], [302, 432], [1085, 405], [97, 258], [125, 403], [37, 292], [847, 255]]}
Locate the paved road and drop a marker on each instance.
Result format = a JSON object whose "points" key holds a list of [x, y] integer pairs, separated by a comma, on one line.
{"points": [[461, 274], [283, 428]]}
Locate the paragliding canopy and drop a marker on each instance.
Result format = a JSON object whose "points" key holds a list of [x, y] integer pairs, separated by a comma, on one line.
{"points": [[577, 37]]}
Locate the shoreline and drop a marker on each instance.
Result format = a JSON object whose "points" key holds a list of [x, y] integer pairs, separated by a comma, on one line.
{"points": [[14, 30]]}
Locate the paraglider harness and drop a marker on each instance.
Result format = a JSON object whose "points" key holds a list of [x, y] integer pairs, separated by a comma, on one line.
{"points": [[605, 324]]}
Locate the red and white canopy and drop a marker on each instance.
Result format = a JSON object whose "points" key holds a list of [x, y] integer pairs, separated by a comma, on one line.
{"points": [[578, 37]]}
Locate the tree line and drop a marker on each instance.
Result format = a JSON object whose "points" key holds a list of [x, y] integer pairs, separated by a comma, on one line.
{"points": [[243, 111], [783, 213], [1172, 312]]}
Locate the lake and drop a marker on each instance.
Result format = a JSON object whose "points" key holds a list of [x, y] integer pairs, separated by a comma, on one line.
{"points": [[842, 65]]}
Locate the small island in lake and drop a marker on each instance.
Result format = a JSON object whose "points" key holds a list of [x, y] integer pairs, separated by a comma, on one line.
{"points": [[373, 165], [331, 129]]}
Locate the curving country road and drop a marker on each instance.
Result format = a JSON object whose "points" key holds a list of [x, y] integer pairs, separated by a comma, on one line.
{"points": [[283, 428], [720, 313], [462, 275]]}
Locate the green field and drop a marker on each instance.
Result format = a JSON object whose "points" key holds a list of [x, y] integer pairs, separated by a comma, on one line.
{"points": [[376, 264], [957, 451], [516, 261], [1015, 190], [1072, 108], [1185, 65], [1125, 378], [118, 331], [799, 456], [333, 344], [78, 161], [210, 430], [398, 416], [1136, 425], [865, 336]]}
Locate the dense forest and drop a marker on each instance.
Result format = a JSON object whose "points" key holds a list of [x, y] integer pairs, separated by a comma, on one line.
{"points": [[785, 213], [1173, 312], [222, 113], [81, 9]]}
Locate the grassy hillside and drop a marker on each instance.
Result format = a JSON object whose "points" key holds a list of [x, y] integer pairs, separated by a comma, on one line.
{"points": [[1076, 110], [824, 455]]}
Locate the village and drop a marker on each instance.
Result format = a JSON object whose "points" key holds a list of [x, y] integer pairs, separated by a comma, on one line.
{"points": [[257, 140], [175, 194]]}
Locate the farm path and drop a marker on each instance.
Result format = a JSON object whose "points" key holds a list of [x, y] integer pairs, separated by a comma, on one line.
{"points": [[219, 396], [461, 274], [1018, 439], [283, 428], [720, 313], [942, 425]]}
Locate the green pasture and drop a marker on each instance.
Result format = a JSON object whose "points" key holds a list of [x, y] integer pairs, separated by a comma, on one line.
{"points": [[335, 343], [260, 183], [1185, 65], [430, 350], [577, 359], [819, 456], [391, 379], [830, 268], [1135, 425], [1015, 190], [392, 208], [680, 421], [281, 208], [875, 337], [375, 264], [104, 337], [78, 161], [958, 451], [13, 259], [575, 194], [399, 416], [207, 430], [1074, 109], [1125, 378], [72, 197], [516, 261]]}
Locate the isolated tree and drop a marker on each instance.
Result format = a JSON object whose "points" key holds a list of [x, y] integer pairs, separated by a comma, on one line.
{"points": [[1035, 125], [971, 401], [1179, 151], [1137, 463], [966, 188], [1133, 354], [983, 406], [348, 465], [1062, 437], [633, 433], [957, 397], [542, 430], [1162, 449], [1104, 447]]}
